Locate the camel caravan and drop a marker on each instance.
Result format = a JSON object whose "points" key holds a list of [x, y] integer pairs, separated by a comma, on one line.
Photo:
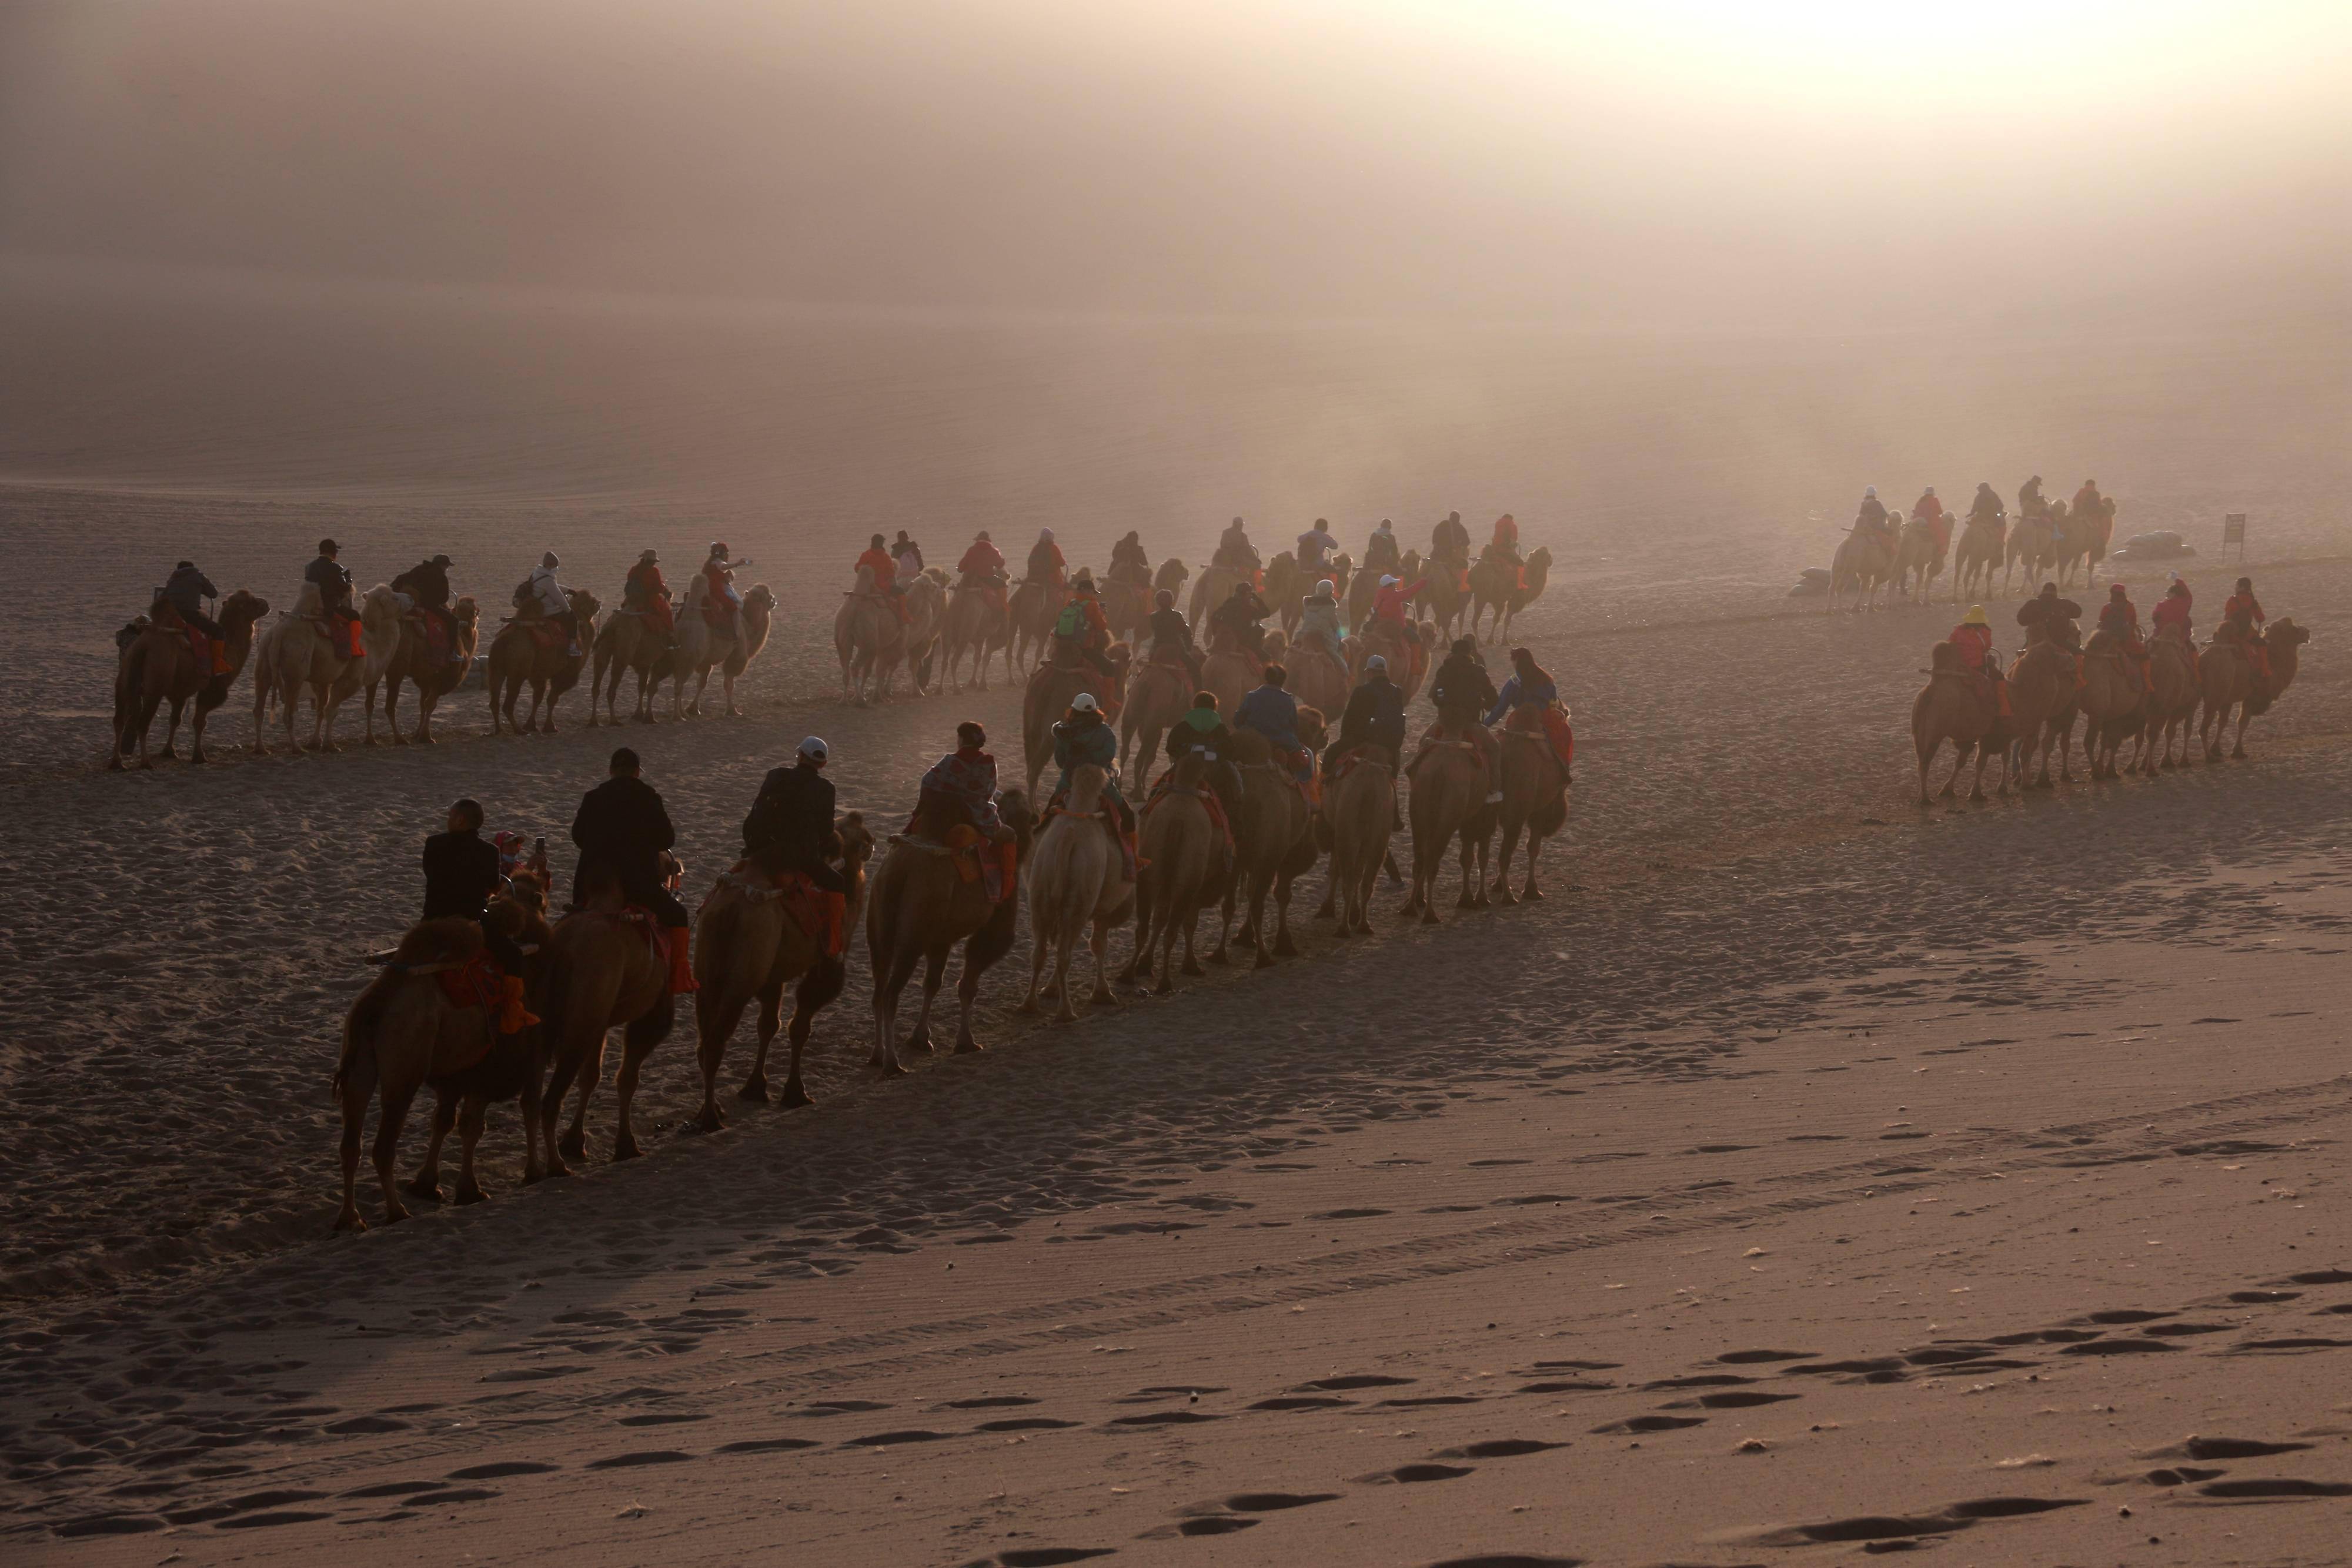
{"points": [[491, 998], [2147, 692], [1900, 555]]}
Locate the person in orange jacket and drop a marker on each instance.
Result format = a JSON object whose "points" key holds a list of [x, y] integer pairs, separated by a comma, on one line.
{"points": [[2242, 618], [885, 576], [1931, 510], [982, 566], [645, 593], [2171, 613], [1973, 638]]}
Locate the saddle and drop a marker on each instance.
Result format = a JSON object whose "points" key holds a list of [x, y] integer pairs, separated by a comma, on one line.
{"points": [[1362, 750], [822, 917], [1166, 787], [1550, 725], [977, 858]]}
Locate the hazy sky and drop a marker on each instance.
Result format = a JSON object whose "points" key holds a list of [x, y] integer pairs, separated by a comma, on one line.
{"points": [[1706, 162]]}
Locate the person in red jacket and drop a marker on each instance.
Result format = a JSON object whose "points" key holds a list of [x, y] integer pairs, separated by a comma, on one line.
{"points": [[1390, 602], [647, 595], [885, 576], [2242, 619], [1973, 640], [1930, 510], [718, 583], [2170, 616], [1506, 544], [983, 567]]}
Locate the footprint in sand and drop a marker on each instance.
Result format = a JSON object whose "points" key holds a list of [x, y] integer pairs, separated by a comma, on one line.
{"points": [[2270, 1489], [1358, 1380], [1166, 1418], [1509, 1560], [1753, 1357], [643, 1456], [1050, 1556], [892, 1439], [1651, 1423], [991, 1402], [1304, 1402], [767, 1446], [1499, 1449], [1412, 1474], [1026, 1423], [490, 1472]]}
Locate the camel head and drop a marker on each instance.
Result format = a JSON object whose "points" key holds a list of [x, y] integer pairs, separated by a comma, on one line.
{"points": [[1012, 805], [1286, 561], [585, 604], [380, 608], [2285, 634], [864, 583], [466, 612], [761, 598], [1539, 566], [242, 606], [130, 633], [856, 845], [1312, 727]]}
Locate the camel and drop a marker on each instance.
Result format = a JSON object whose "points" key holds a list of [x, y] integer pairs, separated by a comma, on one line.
{"points": [[1447, 597], [703, 647], [1230, 670], [1172, 575], [748, 943], [1035, 606], [2172, 706], [1127, 606], [977, 623], [1360, 812], [1048, 698], [1505, 593], [1317, 678], [1405, 647], [2229, 679], [870, 640], [1535, 802], [412, 661], [1076, 884], [1282, 583], [2113, 702], [1158, 693], [1919, 559], [160, 665], [628, 642], [1183, 871], [1274, 840], [919, 907], [600, 970], [1953, 706], [298, 654], [2033, 544], [1863, 563], [518, 659], [927, 618], [2041, 712], [1449, 802], [404, 1033], [1978, 551], [2085, 540]]}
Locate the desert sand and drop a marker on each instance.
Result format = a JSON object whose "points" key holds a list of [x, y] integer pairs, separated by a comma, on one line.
{"points": [[1531, 1237]]}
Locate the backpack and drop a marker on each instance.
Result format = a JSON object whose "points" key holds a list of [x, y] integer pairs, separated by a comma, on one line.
{"points": [[1072, 620]]}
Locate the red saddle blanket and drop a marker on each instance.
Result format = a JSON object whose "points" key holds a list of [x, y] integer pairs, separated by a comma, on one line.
{"points": [[547, 634], [978, 858], [1554, 727], [822, 916], [1209, 803], [477, 983]]}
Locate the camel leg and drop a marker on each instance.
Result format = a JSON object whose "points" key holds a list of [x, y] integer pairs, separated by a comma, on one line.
{"points": [[172, 728], [1531, 893], [715, 1014], [771, 1013], [1260, 888], [1510, 846], [196, 732], [358, 1087], [2237, 750], [1926, 756], [426, 1183], [638, 1043], [1065, 947], [1098, 943], [470, 1136], [1284, 947], [1040, 941], [1192, 925], [1976, 784], [935, 968], [387, 1149]]}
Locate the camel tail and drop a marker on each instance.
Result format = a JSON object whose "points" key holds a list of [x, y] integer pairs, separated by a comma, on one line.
{"points": [[357, 1063]]}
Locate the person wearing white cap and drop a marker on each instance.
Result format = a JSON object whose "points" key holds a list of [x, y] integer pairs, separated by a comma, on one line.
{"points": [[553, 602], [790, 827], [1871, 517], [1080, 738]]}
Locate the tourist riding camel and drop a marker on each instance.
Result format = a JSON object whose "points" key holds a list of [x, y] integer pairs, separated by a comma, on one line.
{"points": [[307, 651], [427, 583], [462, 875], [1983, 544], [1462, 693], [1045, 563], [1315, 547], [433, 670], [1956, 705], [2242, 619], [185, 591], [333, 582], [1236, 553], [979, 620], [642, 638], [908, 555], [1083, 737], [161, 665], [2050, 619], [1171, 635], [520, 656], [2119, 617], [723, 601], [623, 832], [779, 915], [1273, 840], [1129, 562], [552, 599], [2030, 501], [1202, 732], [951, 877], [1183, 872], [1081, 631], [1539, 760], [1273, 712], [1449, 805], [1930, 510], [1161, 685], [878, 559], [1081, 879]]}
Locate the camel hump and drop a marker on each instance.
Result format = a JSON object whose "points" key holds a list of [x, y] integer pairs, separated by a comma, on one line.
{"points": [[1944, 660], [1249, 748], [453, 940]]}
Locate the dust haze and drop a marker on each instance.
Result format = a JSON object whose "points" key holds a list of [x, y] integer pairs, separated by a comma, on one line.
{"points": [[1154, 265]]}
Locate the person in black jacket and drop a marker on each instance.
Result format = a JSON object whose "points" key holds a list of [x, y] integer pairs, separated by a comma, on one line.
{"points": [[427, 582], [1374, 716], [621, 828], [790, 827], [461, 877], [1462, 691]]}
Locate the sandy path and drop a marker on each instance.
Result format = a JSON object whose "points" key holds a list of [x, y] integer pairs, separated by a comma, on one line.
{"points": [[1909, 1116]]}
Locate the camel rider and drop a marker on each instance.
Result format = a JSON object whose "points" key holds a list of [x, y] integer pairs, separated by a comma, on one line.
{"points": [[1461, 691], [1530, 700], [647, 595], [427, 582], [983, 567], [1315, 547], [541, 590], [2030, 503], [2119, 618], [1987, 507], [877, 559], [185, 593], [1449, 541], [462, 872], [334, 584], [1392, 601], [1045, 563], [1234, 549], [1171, 634], [1082, 628], [1203, 731], [1927, 509], [623, 832], [1239, 617], [2088, 504], [1380, 552], [1374, 716], [1506, 544], [1319, 618], [1273, 713], [719, 584], [2050, 619], [2242, 616], [959, 790], [790, 827], [1972, 639], [1082, 738], [2170, 616], [1871, 517], [907, 555], [1129, 562]]}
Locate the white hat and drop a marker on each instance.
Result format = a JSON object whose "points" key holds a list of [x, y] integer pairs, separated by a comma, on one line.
{"points": [[813, 748], [1045, 535], [1931, 489], [1870, 490], [1085, 702], [1325, 588], [1376, 662], [1389, 582], [549, 560]]}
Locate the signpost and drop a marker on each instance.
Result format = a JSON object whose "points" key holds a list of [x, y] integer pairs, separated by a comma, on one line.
{"points": [[2233, 532]]}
